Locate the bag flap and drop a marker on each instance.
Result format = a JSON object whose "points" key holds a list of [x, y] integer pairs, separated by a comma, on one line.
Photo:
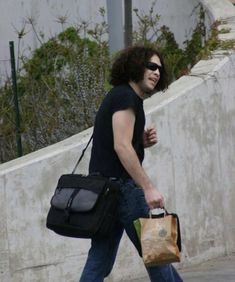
{"points": [[61, 198], [85, 200], [76, 200]]}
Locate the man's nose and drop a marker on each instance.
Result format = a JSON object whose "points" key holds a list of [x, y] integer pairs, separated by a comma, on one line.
{"points": [[157, 72]]}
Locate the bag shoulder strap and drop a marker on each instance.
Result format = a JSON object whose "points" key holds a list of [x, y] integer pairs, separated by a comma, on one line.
{"points": [[82, 154]]}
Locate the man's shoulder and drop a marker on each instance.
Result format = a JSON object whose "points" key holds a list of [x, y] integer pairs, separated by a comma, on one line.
{"points": [[121, 90]]}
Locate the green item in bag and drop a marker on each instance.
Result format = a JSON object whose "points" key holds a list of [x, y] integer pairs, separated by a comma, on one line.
{"points": [[137, 226]]}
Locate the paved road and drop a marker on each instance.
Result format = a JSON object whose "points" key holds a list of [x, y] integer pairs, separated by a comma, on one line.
{"points": [[217, 270]]}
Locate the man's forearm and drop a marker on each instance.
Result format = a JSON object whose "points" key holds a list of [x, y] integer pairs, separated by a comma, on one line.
{"points": [[130, 161]]}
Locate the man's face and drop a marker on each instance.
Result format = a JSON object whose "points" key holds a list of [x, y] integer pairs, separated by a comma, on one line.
{"points": [[151, 76]]}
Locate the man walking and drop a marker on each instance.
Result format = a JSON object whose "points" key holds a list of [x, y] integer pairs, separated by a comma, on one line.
{"points": [[119, 140]]}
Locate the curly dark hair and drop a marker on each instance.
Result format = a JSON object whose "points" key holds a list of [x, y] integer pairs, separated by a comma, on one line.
{"points": [[130, 63]]}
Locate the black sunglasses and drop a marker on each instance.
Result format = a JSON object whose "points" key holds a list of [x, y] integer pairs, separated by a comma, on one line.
{"points": [[153, 66]]}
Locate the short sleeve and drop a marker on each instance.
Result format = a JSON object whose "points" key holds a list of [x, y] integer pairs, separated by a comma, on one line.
{"points": [[124, 100]]}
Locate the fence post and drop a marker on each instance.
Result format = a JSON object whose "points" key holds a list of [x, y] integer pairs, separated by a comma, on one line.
{"points": [[16, 102], [115, 25], [128, 23]]}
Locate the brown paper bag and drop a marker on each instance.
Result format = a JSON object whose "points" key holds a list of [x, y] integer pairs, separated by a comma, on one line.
{"points": [[159, 240]]}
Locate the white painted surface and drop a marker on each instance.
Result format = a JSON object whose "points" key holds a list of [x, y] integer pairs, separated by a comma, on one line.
{"points": [[193, 165]]}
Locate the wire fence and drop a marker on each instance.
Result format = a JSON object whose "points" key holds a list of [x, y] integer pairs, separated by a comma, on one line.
{"points": [[7, 133]]}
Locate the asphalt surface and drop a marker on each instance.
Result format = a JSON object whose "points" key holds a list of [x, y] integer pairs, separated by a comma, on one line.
{"points": [[221, 269]]}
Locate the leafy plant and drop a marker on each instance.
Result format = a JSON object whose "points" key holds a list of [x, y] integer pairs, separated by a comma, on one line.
{"points": [[60, 88]]}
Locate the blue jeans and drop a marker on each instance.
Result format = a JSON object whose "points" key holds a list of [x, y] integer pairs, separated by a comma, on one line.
{"points": [[102, 254]]}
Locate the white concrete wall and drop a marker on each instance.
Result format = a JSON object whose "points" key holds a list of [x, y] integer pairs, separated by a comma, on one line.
{"points": [[193, 165]]}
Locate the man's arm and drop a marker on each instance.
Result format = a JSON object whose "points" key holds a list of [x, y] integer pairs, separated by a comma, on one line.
{"points": [[123, 127]]}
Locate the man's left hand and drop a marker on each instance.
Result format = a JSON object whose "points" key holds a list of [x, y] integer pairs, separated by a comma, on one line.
{"points": [[149, 137]]}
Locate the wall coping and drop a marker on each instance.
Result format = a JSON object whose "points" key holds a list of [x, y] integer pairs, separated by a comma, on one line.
{"points": [[219, 10]]}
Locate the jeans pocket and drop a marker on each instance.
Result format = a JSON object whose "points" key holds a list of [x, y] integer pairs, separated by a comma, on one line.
{"points": [[133, 201], [142, 207]]}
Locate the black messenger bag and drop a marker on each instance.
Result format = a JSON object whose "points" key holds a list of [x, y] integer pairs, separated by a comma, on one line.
{"points": [[83, 206]]}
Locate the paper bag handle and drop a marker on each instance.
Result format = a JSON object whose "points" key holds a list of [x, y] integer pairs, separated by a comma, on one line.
{"points": [[163, 208]]}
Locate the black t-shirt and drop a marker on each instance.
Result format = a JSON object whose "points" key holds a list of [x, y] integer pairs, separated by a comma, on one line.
{"points": [[104, 159]]}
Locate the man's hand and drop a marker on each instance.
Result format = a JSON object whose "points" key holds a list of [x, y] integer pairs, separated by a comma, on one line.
{"points": [[149, 137], [154, 199]]}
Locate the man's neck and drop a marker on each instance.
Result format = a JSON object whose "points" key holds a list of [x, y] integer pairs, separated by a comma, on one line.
{"points": [[137, 89]]}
